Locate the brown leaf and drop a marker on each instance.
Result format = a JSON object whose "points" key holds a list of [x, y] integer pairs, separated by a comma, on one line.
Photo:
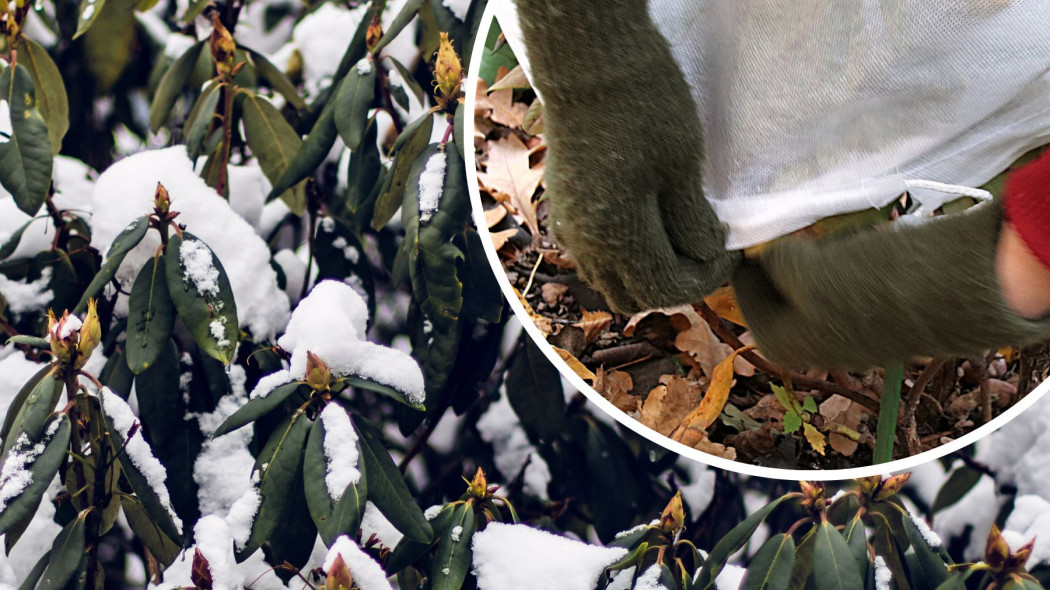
{"points": [[558, 258], [541, 322], [575, 364], [501, 106], [668, 404], [593, 323], [752, 444], [723, 302], [494, 216], [616, 386], [499, 239], [200, 571], [841, 411], [552, 292], [510, 172], [767, 408], [510, 80], [716, 396]]}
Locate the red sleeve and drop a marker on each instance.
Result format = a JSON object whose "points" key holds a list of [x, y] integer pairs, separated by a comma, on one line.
{"points": [[1026, 202]]}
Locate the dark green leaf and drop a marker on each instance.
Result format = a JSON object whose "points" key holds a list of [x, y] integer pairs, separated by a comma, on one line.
{"points": [[158, 511], [66, 553], [387, 488], [257, 408], [201, 120], [127, 239], [403, 18], [956, 581], [364, 174], [171, 85], [32, 415], [294, 542], [930, 561], [12, 242], [412, 141], [34, 341], [86, 15], [731, 543], [312, 153], [20, 399], [278, 465], [452, 558], [208, 308], [856, 538], [38, 570], [332, 518], [400, 396], [407, 79], [959, 483], [43, 469], [834, 567], [50, 90], [770, 568], [800, 573], [535, 392], [159, 544], [276, 79], [352, 102], [275, 144], [151, 316], [25, 158]]}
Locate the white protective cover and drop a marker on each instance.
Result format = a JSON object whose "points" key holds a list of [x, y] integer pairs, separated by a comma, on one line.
{"points": [[813, 108]]}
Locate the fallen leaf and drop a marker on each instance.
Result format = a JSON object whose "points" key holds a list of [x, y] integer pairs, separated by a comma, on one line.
{"points": [[541, 322], [552, 292], [1003, 392], [558, 258], [501, 106], [593, 323], [494, 216], [815, 437], [510, 172], [723, 302], [510, 80], [669, 403], [767, 408], [616, 386], [716, 396], [575, 364], [500, 238], [841, 412], [534, 122]]}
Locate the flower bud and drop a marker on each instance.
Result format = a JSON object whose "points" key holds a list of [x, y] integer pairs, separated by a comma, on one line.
{"points": [[318, 377], [222, 46], [90, 335], [63, 334], [161, 201], [672, 519], [892, 486], [374, 34], [448, 74], [339, 577], [479, 486]]}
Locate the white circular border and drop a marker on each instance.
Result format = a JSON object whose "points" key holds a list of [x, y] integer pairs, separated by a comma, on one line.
{"points": [[621, 417]]}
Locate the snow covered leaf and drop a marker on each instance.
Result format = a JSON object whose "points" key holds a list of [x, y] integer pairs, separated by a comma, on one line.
{"points": [[20, 399], [202, 135], [170, 86], [151, 316], [25, 158], [67, 555], [930, 560], [311, 154], [452, 558], [353, 101], [28, 471], [387, 488], [403, 18], [162, 547], [336, 485], [52, 101], [275, 78], [770, 568], [731, 543], [412, 141], [278, 467], [834, 567], [144, 472], [257, 407], [274, 143], [127, 239], [366, 573], [31, 416], [202, 295], [535, 392]]}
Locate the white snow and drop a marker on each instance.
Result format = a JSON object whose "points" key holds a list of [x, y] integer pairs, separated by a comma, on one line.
{"points": [[374, 523], [364, 67], [650, 579], [622, 579], [340, 451], [539, 560], [267, 384], [730, 578], [138, 450], [931, 538], [367, 574], [350, 253], [125, 192], [214, 542], [1015, 540], [242, 515], [699, 489], [458, 8], [632, 530], [16, 474], [432, 512], [330, 322], [455, 533], [883, 575], [27, 297], [196, 258], [431, 185], [500, 427]]}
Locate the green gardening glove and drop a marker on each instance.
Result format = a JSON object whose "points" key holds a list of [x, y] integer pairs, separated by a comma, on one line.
{"points": [[624, 154], [876, 297]]}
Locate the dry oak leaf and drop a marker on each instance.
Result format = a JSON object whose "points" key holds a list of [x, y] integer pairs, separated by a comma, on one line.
{"points": [[711, 405], [509, 171], [552, 293], [668, 404], [575, 364], [558, 258], [815, 437], [616, 386], [838, 410], [541, 322], [723, 302], [494, 215], [500, 238], [593, 323], [500, 106]]}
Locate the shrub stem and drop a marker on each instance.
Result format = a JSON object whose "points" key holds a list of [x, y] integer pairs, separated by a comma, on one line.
{"points": [[888, 409]]}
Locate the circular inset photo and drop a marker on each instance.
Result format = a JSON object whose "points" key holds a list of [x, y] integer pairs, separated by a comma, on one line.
{"points": [[773, 242]]}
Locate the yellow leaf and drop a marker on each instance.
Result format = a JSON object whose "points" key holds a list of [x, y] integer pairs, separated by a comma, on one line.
{"points": [[723, 302], [717, 394], [541, 322], [593, 323], [575, 364], [815, 437]]}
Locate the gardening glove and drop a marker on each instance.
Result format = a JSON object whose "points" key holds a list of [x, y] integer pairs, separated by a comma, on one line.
{"points": [[624, 154], [875, 297]]}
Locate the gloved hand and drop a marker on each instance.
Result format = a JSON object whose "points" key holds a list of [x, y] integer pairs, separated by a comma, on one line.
{"points": [[879, 296], [624, 154]]}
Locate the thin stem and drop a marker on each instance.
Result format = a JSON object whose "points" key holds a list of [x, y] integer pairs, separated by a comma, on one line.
{"points": [[888, 410], [229, 92], [311, 238]]}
